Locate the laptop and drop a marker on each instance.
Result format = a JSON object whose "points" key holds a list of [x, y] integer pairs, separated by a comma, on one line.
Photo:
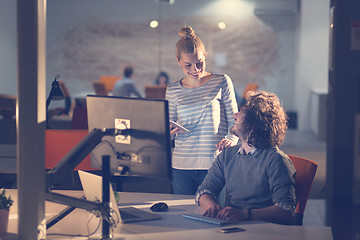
{"points": [[92, 186], [206, 219]]}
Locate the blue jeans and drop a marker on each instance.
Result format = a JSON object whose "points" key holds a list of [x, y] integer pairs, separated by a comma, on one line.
{"points": [[187, 181]]}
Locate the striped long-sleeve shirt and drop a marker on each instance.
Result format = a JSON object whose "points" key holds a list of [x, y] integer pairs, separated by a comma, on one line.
{"points": [[207, 111]]}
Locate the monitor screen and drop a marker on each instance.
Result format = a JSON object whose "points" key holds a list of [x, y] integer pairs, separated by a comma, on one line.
{"points": [[142, 146]]}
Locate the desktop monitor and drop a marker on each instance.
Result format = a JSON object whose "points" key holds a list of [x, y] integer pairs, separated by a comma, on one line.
{"points": [[141, 146]]}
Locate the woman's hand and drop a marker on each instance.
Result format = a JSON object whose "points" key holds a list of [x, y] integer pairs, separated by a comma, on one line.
{"points": [[224, 143], [174, 130]]}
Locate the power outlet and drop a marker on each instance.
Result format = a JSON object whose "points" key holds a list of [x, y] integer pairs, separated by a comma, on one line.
{"points": [[122, 124]]}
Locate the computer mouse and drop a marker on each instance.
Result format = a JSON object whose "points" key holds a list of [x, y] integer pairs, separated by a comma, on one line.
{"points": [[159, 207]]}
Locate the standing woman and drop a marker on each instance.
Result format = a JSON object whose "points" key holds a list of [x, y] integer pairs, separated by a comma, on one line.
{"points": [[204, 103]]}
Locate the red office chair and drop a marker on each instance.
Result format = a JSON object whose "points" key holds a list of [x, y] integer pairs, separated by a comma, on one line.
{"points": [[58, 142], [109, 82], [155, 91], [305, 174], [250, 87], [100, 88]]}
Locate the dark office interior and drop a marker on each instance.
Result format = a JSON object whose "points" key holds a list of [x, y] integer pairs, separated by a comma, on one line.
{"points": [[306, 52]]}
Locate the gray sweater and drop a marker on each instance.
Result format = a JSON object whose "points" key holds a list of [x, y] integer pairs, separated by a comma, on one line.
{"points": [[258, 180]]}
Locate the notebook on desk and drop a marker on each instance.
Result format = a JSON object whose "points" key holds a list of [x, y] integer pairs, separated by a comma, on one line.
{"points": [[199, 217], [92, 186]]}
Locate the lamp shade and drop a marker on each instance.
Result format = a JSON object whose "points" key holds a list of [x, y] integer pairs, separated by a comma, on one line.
{"points": [[56, 92]]}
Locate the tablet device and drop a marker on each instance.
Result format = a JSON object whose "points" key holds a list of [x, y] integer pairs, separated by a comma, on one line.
{"points": [[175, 124]]}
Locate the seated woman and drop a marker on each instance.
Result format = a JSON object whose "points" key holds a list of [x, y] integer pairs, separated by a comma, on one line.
{"points": [[162, 79]]}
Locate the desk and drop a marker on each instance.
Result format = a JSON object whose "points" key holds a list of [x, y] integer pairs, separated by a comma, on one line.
{"points": [[171, 226]]}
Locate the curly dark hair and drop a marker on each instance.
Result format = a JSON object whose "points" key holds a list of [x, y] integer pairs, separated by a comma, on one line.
{"points": [[265, 121]]}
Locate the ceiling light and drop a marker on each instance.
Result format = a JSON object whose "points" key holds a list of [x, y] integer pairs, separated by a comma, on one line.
{"points": [[221, 25], [154, 24]]}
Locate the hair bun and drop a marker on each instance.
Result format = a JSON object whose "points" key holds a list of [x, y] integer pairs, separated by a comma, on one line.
{"points": [[187, 32]]}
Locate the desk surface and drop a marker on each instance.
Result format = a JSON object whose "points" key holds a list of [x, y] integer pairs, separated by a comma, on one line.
{"points": [[171, 226]]}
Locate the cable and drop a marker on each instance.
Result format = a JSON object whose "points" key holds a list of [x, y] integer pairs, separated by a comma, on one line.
{"points": [[143, 148], [125, 155], [87, 226], [107, 142], [78, 235], [116, 221], [113, 223], [103, 142]]}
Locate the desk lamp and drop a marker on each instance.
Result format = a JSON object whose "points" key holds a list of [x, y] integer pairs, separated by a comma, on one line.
{"points": [[55, 94]]}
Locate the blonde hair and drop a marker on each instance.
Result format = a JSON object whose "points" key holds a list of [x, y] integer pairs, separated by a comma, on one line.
{"points": [[188, 42]]}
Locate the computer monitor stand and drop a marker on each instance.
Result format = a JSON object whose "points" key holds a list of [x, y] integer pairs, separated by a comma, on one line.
{"points": [[106, 194], [105, 202]]}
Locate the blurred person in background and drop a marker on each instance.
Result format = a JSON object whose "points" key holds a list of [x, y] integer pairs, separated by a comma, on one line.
{"points": [[126, 87], [162, 79]]}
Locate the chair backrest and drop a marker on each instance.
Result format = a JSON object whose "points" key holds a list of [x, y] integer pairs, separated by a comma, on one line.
{"points": [[7, 106], [99, 88], [109, 82], [79, 118], [250, 87], [305, 174], [58, 142], [155, 91], [64, 89]]}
